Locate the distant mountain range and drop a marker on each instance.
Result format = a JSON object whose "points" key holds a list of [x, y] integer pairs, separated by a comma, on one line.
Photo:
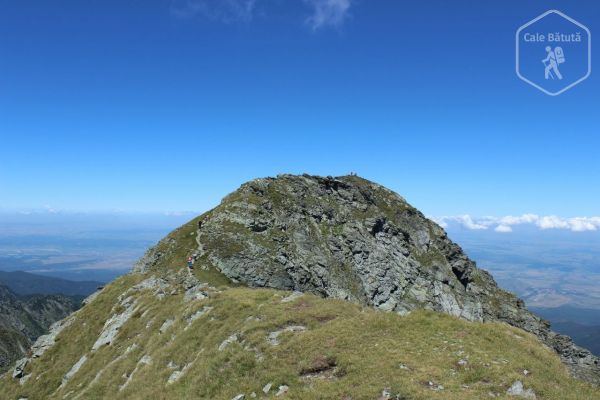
{"points": [[24, 283], [24, 318], [29, 304]]}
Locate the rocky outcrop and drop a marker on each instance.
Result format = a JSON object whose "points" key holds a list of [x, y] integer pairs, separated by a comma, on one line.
{"points": [[518, 390], [74, 369], [352, 239], [45, 342], [113, 325]]}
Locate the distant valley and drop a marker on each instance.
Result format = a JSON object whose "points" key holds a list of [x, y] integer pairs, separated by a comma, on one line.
{"points": [[79, 246], [24, 283], [30, 304], [548, 269], [556, 273], [582, 325]]}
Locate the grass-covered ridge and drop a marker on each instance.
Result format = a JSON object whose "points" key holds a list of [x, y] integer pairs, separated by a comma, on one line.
{"points": [[201, 335], [344, 351]]}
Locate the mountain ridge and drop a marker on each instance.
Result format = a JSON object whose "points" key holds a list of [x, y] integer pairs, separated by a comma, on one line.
{"points": [[247, 236], [227, 330], [25, 283]]}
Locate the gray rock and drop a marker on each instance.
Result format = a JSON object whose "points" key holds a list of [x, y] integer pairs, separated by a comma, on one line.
{"points": [[267, 388], [74, 369], [159, 286], [20, 368], [283, 389], [151, 258], [45, 342], [231, 339], [272, 338], [434, 386], [145, 360], [166, 325], [176, 375], [292, 297], [91, 297], [239, 397], [194, 293], [352, 239], [113, 325], [203, 311], [172, 365], [517, 390], [24, 379]]}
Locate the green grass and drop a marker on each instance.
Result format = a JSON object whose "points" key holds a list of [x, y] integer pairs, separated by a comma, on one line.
{"points": [[361, 351], [347, 351]]}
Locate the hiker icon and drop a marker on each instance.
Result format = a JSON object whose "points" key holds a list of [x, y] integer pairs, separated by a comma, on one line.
{"points": [[552, 61]]}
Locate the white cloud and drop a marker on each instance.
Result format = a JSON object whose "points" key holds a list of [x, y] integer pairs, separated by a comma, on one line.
{"points": [[503, 229], [463, 220], [505, 224], [552, 222], [523, 219], [222, 10], [582, 225], [328, 13]]}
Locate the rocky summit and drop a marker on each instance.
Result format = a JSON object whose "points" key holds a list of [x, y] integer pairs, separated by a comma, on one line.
{"points": [[305, 287], [352, 239]]}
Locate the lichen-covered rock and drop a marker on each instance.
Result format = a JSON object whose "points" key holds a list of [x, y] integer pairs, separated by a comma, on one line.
{"points": [[20, 368], [352, 239], [73, 370], [231, 339], [45, 342], [273, 337], [166, 325], [115, 322], [518, 390]]}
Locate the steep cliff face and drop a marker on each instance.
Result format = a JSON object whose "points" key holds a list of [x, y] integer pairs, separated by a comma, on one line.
{"points": [[352, 239]]}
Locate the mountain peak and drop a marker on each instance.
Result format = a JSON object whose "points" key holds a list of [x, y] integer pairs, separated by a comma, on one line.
{"points": [[289, 277], [349, 238]]}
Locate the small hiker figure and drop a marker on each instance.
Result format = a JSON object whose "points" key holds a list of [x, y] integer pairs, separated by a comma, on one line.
{"points": [[199, 224], [190, 262], [552, 61]]}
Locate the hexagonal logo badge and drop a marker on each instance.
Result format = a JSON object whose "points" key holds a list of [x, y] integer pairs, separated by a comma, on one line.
{"points": [[554, 52]]}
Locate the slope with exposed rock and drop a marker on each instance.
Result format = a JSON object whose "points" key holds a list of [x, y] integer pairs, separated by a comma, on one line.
{"points": [[24, 318], [352, 239], [384, 306]]}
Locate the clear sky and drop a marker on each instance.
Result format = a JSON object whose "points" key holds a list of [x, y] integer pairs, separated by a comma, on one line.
{"points": [[169, 105]]}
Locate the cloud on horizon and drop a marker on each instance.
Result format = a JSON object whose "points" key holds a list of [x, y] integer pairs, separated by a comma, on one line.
{"points": [[506, 224]]}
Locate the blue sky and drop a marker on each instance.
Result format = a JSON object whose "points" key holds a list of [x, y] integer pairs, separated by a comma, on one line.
{"points": [[170, 105]]}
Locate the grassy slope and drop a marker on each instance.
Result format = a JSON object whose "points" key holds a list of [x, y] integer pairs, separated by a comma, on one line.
{"points": [[368, 348]]}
